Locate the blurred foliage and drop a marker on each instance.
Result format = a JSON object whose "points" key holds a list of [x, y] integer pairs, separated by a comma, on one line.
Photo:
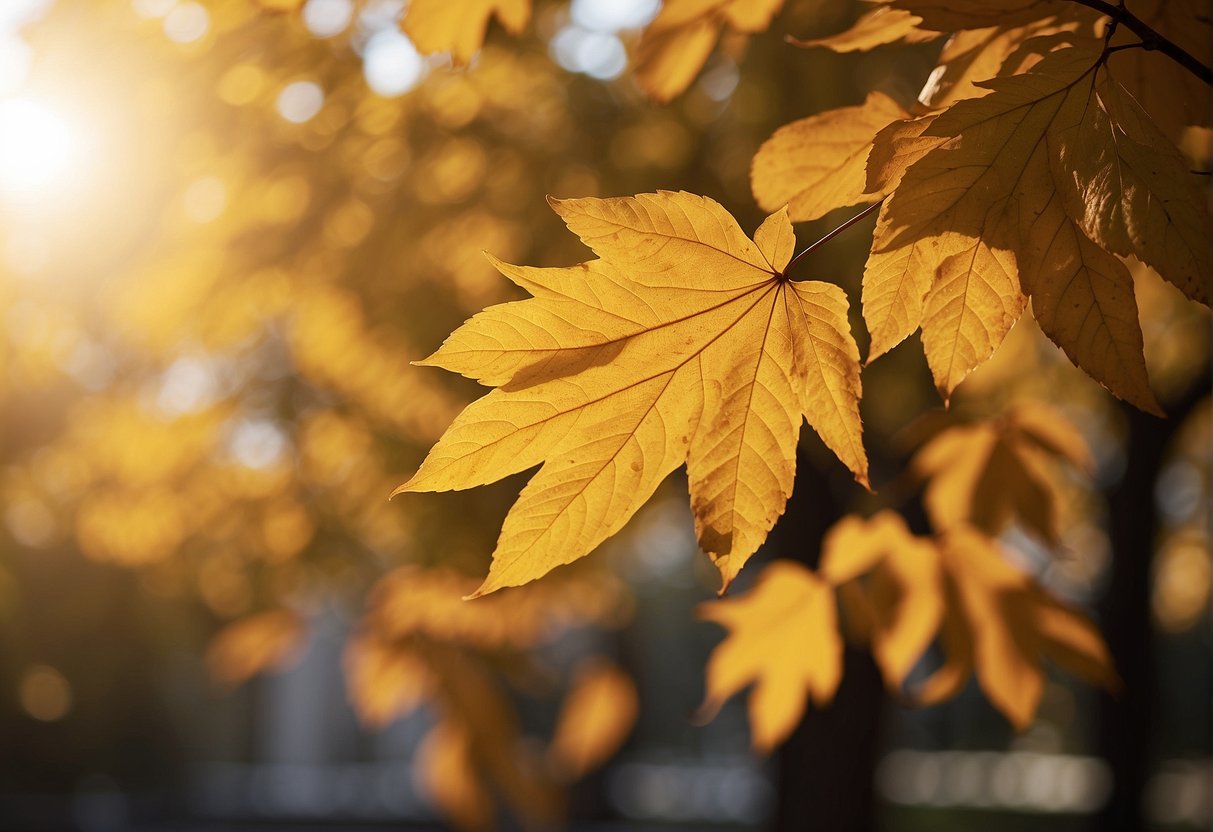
{"points": [[204, 367]]}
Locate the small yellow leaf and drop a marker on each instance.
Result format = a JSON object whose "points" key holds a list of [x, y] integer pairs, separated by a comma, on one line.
{"points": [[685, 342], [877, 27], [677, 43], [783, 639], [448, 773], [597, 716], [816, 164], [460, 26], [971, 306], [902, 583], [384, 681]]}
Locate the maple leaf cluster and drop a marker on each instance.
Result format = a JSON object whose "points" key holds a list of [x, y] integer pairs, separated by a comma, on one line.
{"points": [[1026, 171], [1031, 170]]}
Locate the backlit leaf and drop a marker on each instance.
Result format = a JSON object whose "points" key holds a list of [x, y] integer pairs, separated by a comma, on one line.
{"points": [[1035, 182], [689, 345]]}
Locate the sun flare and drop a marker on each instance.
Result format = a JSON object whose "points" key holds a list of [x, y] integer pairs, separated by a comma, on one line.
{"points": [[40, 150]]}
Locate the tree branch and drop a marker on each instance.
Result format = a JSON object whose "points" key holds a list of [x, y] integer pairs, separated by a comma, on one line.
{"points": [[1151, 38]]}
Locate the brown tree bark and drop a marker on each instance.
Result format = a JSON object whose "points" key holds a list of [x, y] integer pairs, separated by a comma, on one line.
{"points": [[1127, 718], [826, 769]]}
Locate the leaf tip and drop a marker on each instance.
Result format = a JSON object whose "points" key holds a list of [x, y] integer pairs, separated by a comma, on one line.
{"points": [[481, 591], [1152, 407]]}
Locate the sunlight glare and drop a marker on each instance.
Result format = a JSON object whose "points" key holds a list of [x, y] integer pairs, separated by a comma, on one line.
{"points": [[39, 150]]}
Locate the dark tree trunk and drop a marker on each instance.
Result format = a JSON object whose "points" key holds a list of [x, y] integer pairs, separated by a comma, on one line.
{"points": [[827, 767], [1127, 718]]}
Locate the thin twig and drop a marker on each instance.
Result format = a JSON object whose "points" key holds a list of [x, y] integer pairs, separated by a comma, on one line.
{"points": [[1151, 38], [831, 235]]}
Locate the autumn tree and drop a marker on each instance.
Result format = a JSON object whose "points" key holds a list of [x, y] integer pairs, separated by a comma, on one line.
{"points": [[1043, 178]]}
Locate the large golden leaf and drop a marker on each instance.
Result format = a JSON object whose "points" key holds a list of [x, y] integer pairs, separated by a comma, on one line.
{"points": [[459, 26], [677, 43], [684, 342], [817, 164], [783, 639]]}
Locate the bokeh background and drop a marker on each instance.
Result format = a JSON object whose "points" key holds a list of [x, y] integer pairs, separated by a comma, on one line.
{"points": [[226, 227]]}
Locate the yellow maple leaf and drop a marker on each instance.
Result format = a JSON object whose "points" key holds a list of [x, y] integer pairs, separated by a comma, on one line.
{"points": [[1002, 626], [990, 473], [460, 26], [817, 164], [783, 639], [684, 342], [675, 46]]}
